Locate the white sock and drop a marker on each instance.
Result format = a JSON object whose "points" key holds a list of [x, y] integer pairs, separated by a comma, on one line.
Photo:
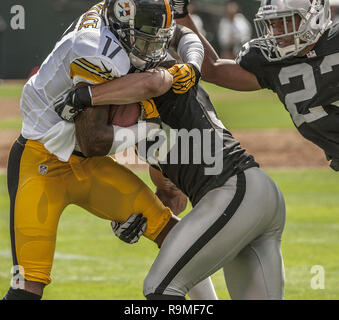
{"points": [[204, 290]]}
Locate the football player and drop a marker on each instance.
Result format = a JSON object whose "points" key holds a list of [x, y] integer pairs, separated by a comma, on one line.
{"points": [[49, 167], [296, 55], [238, 212]]}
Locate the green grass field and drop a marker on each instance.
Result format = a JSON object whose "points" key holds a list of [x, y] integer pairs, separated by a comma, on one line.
{"points": [[91, 264]]}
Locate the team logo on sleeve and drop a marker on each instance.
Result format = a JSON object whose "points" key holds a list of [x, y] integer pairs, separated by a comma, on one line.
{"points": [[123, 9]]}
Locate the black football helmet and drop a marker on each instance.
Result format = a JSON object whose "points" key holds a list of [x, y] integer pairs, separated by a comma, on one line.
{"points": [[144, 28]]}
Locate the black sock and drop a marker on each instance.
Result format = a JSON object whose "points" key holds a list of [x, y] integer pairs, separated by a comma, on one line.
{"points": [[19, 294]]}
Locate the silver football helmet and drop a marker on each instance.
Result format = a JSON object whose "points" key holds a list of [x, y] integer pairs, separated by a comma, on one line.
{"points": [[315, 18]]}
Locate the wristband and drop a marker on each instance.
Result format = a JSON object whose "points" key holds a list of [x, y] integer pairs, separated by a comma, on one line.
{"points": [[82, 97]]}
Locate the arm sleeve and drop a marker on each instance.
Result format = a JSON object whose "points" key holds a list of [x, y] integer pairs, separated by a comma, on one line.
{"points": [[188, 46], [91, 70]]}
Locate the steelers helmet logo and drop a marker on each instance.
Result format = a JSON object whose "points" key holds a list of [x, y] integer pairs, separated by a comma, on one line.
{"points": [[123, 9]]}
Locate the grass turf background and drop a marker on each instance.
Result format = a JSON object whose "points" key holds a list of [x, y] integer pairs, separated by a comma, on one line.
{"points": [[91, 264]]}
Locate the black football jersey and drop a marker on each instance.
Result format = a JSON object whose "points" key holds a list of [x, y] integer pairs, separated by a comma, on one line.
{"points": [[308, 87], [200, 154]]}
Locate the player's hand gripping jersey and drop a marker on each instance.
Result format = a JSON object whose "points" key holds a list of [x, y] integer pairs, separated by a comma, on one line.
{"points": [[306, 85], [87, 52]]}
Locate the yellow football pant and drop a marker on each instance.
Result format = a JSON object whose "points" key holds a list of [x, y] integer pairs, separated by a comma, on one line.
{"points": [[41, 186]]}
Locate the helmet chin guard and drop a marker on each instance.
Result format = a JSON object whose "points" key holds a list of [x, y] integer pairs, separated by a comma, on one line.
{"points": [[308, 20], [144, 28]]}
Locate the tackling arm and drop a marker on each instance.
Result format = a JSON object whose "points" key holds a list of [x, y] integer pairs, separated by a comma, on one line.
{"points": [[121, 91], [167, 192], [223, 72], [132, 88]]}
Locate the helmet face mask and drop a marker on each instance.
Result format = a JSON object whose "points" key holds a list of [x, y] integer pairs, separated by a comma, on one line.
{"points": [[144, 28], [301, 23]]}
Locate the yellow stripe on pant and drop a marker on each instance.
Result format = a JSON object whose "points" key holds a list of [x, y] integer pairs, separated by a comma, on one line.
{"points": [[46, 186]]}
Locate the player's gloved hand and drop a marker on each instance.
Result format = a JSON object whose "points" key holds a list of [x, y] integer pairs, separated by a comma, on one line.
{"points": [[131, 230], [69, 106], [335, 164], [185, 76], [149, 111], [180, 8]]}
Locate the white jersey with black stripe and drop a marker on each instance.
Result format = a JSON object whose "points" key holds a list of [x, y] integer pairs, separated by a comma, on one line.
{"points": [[88, 52]]}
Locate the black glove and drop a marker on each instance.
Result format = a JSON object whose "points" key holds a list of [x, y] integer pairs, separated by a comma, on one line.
{"points": [[180, 8], [335, 164], [131, 230], [69, 106]]}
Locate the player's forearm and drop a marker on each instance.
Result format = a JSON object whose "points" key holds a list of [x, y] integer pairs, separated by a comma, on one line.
{"points": [[132, 88], [222, 72], [161, 237], [167, 192], [93, 134], [175, 200]]}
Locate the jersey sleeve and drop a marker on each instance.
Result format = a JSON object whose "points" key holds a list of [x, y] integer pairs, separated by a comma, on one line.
{"points": [[92, 70], [97, 57], [251, 59]]}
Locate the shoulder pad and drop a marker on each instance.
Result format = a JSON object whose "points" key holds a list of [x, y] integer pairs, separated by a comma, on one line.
{"points": [[251, 47]]}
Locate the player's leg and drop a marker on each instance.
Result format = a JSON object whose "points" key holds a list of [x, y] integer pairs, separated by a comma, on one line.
{"points": [[204, 290], [257, 272], [36, 202], [116, 192], [225, 221]]}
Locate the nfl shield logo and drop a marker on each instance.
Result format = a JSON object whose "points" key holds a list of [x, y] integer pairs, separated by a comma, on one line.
{"points": [[43, 169]]}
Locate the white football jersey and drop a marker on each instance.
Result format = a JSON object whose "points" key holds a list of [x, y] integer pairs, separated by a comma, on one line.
{"points": [[87, 52]]}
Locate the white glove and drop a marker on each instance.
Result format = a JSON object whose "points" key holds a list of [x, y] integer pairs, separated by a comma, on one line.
{"points": [[131, 230]]}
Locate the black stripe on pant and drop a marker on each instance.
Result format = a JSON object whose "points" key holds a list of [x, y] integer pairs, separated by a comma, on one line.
{"points": [[13, 171], [208, 235]]}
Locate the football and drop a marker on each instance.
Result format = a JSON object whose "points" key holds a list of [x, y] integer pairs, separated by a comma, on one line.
{"points": [[123, 115]]}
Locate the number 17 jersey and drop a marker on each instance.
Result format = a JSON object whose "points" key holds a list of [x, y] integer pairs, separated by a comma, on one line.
{"points": [[308, 86], [87, 52]]}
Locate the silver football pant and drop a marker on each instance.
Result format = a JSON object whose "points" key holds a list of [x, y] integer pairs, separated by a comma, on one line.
{"points": [[237, 227]]}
